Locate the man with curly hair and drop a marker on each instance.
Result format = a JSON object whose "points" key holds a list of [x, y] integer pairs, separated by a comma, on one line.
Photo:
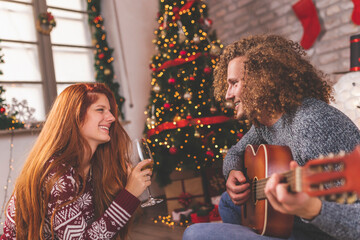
{"points": [[273, 85]]}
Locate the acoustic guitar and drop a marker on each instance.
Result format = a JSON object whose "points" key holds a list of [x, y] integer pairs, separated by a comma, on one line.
{"points": [[332, 177]]}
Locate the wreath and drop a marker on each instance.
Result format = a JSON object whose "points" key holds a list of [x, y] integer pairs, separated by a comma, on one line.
{"points": [[45, 23]]}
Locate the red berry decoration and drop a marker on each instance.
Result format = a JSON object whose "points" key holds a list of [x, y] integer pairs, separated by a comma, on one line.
{"points": [[2, 110], [173, 150], [171, 81], [176, 10], [240, 135], [210, 153], [207, 70], [101, 55], [167, 106], [183, 53]]}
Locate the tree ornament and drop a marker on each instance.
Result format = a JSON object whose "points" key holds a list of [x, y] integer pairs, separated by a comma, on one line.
{"points": [[176, 10], [181, 35], [210, 153], [197, 134], [172, 81], [187, 96], [183, 53], [101, 55], [2, 110], [177, 118], [167, 106], [171, 45], [188, 117], [215, 49], [239, 135], [192, 78], [107, 71], [156, 88], [213, 109], [207, 70], [229, 104], [196, 39], [97, 62], [208, 22], [45, 20], [173, 150]]}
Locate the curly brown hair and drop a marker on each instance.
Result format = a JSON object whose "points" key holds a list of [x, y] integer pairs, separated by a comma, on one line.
{"points": [[277, 76]]}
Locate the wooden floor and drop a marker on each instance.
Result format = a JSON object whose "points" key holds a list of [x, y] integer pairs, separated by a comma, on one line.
{"points": [[144, 227]]}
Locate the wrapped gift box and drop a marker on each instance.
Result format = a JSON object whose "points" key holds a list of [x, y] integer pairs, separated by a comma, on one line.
{"points": [[193, 186], [215, 182]]}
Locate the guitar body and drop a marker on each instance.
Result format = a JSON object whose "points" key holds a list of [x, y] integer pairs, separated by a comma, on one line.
{"points": [[261, 162]]}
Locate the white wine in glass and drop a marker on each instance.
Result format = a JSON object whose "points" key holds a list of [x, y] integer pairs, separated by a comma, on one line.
{"points": [[145, 153]]}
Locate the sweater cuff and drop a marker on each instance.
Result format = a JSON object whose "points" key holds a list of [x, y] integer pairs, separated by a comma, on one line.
{"points": [[127, 201]]}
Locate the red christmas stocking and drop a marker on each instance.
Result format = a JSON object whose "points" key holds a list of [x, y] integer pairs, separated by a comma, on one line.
{"points": [[306, 12], [355, 17]]}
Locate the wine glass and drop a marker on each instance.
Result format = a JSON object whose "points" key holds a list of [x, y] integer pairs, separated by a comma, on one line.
{"points": [[145, 153]]}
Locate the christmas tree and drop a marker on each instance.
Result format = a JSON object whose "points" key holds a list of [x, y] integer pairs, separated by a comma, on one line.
{"points": [[186, 128], [7, 121]]}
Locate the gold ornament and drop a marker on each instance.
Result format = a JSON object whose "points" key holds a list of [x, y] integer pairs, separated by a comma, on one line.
{"points": [[213, 109], [107, 71], [196, 133], [196, 39], [176, 118], [214, 49], [187, 96], [156, 88]]}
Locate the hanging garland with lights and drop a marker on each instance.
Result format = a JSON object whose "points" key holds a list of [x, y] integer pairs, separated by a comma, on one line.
{"points": [[186, 128], [104, 71]]}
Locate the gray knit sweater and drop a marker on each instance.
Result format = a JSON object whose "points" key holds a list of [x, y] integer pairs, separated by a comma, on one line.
{"points": [[315, 128]]}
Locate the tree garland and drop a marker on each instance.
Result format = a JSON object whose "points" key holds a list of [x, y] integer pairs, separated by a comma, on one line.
{"points": [[103, 54]]}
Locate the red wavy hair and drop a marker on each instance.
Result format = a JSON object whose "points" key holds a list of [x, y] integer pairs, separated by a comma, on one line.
{"points": [[61, 136]]}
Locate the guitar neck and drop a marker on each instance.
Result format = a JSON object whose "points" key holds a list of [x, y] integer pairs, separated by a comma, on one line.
{"points": [[292, 177]]}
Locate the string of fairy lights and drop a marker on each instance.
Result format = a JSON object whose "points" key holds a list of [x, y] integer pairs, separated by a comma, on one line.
{"points": [[8, 179]]}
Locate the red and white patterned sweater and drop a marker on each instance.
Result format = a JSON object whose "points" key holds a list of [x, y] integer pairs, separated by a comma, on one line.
{"points": [[76, 220]]}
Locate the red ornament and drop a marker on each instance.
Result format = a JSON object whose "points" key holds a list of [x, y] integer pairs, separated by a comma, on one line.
{"points": [[173, 150], [183, 53], [171, 81], [154, 69], [101, 55], [171, 45], [97, 19], [208, 22], [210, 153], [2, 110], [192, 78], [167, 106], [240, 135], [176, 10], [207, 70], [188, 117]]}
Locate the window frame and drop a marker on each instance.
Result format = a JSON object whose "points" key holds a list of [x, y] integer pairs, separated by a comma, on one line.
{"points": [[45, 53]]}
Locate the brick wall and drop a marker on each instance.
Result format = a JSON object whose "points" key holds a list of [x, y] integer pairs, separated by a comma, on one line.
{"points": [[233, 19]]}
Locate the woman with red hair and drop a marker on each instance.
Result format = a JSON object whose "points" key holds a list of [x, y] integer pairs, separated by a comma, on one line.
{"points": [[77, 182]]}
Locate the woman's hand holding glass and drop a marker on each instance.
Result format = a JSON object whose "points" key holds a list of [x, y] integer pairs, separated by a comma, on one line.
{"points": [[139, 178]]}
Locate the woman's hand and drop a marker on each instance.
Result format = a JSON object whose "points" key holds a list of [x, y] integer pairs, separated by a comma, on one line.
{"points": [[138, 180], [299, 204]]}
